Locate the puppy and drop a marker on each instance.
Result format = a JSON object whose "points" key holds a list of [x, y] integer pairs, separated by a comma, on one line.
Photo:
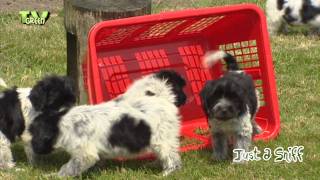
{"points": [[144, 119], [17, 112], [230, 103], [293, 12]]}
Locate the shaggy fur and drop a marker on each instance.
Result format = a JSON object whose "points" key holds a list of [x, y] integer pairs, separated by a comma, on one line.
{"points": [[11, 117], [230, 103], [293, 12], [144, 119], [17, 112], [6, 160]]}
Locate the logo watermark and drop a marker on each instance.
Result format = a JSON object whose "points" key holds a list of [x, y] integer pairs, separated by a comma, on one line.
{"points": [[292, 154], [32, 17]]}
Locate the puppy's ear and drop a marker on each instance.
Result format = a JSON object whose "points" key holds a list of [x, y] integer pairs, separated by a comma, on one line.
{"points": [[172, 77], [177, 83], [11, 117], [44, 131], [38, 96], [52, 93], [205, 95]]}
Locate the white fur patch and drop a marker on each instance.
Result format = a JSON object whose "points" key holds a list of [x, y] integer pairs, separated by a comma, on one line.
{"points": [[241, 125], [28, 112], [3, 83], [6, 160], [212, 57]]}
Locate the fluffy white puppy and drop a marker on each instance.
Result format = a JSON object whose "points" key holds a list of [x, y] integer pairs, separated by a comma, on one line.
{"points": [[17, 112], [294, 12], [144, 119]]}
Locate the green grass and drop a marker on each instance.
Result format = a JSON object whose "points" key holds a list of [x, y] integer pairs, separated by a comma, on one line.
{"points": [[29, 52]]}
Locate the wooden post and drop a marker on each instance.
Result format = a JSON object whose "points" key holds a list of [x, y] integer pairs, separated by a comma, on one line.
{"points": [[80, 16]]}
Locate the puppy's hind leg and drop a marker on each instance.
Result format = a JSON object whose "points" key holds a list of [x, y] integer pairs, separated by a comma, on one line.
{"points": [[77, 165], [169, 157], [220, 146]]}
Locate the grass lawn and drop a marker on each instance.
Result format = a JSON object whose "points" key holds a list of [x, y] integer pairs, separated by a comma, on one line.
{"points": [[27, 53]]}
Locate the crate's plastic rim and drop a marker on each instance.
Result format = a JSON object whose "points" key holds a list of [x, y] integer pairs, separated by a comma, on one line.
{"points": [[193, 13]]}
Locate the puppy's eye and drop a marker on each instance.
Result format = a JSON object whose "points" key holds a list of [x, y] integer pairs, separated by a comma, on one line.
{"points": [[149, 93]]}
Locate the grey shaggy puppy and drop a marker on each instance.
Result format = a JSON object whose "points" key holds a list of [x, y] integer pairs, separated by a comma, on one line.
{"points": [[230, 102], [144, 119], [280, 13]]}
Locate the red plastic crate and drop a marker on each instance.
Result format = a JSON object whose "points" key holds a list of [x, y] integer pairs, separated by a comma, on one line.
{"points": [[125, 49]]}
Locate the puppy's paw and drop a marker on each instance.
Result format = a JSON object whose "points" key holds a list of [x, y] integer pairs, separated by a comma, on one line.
{"points": [[11, 165], [7, 165], [257, 129], [175, 166], [168, 171], [239, 162], [219, 157], [51, 175], [66, 171]]}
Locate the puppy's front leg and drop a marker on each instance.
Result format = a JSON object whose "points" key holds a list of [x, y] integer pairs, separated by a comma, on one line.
{"points": [[169, 157], [31, 156], [220, 146], [242, 142], [77, 165]]}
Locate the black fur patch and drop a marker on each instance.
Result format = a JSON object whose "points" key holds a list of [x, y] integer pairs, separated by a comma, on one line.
{"points": [[149, 93], [176, 82], [127, 134], [53, 93], [287, 16], [308, 11], [237, 88], [11, 117], [44, 130], [280, 4]]}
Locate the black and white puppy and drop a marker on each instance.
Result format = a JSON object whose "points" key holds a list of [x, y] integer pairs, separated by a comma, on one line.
{"points": [[144, 119], [17, 112], [230, 103], [293, 12]]}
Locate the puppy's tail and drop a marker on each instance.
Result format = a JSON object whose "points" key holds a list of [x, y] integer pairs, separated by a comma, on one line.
{"points": [[211, 58], [3, 83]]}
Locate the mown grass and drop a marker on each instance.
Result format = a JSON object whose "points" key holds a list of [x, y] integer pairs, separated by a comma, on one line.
{"points": [[29, 52]]}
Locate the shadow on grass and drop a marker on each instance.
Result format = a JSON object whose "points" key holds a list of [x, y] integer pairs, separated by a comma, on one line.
{"points": [[48, 164], [53, 162]]}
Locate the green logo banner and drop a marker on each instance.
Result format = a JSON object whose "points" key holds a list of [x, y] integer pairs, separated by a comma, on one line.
{"points": [[32, 17]]}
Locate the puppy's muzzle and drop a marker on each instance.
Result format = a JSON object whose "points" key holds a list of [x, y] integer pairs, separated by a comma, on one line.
{"points": [[223, 113]]}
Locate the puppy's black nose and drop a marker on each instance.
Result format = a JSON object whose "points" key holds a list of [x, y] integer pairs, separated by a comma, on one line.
{"points": [[223, 112], [223, 109]]}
